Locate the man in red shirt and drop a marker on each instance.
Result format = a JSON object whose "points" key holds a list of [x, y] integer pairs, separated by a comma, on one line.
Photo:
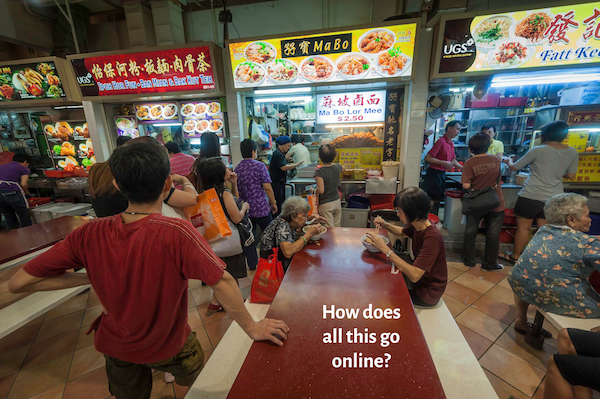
{"points": [[181, 164], [441, 158], [139, 263]]}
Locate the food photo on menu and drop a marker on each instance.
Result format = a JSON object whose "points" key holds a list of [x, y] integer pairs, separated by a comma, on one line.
{"points": [[202, 117], [70, 147], [31, 81], [375, 53]]}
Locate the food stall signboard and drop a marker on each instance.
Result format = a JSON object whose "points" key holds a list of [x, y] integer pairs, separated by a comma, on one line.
{"points": [[555, 36], [373, 53], [392, 125], [585, 117], [174, 70], [202, 117], [365, 106], [588, 169], [30, 82]]}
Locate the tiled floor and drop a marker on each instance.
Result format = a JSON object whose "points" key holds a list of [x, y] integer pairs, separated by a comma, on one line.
{"points": [[52, 358]]}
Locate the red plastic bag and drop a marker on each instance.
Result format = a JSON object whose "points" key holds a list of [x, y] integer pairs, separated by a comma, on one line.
{"points": [[268, 277]]}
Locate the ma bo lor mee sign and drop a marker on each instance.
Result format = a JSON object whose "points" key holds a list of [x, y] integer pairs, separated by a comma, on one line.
{"points": [[549, 37]]}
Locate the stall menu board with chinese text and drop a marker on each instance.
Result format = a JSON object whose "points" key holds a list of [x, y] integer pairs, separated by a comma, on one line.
{"points": [[30, 81], [549, 37], [202, 117], [70, 145], [588, 169], [374, 53], [156, 112], [365, 158], [584, 118], [368, 106], [186, 69], [577, 140]]}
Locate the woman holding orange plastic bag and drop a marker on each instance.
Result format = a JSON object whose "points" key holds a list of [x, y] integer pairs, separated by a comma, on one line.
{"points": [[213, 174]]}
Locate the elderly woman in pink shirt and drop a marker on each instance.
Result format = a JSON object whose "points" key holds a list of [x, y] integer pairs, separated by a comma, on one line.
{"points": [[441, 158]]}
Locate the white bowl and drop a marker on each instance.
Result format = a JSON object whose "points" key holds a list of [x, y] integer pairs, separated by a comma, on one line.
{"points": [[360, 75], [364, 35], [371, 247], [239, 83], [316, 237]]}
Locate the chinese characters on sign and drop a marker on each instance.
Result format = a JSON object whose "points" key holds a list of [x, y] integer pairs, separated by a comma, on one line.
{"points": [[156, 71], [366, 106], [580, 118], [588, 169], [392, 125], [316, 45]]}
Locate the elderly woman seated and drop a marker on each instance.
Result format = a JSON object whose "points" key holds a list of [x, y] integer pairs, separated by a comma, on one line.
{"points": [[280, 232], [553, 271]]}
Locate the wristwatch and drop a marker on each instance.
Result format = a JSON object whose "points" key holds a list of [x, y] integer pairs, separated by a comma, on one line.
{"points": [[389, 253]]}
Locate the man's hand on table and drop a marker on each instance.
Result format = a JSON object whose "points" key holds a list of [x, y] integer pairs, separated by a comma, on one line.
{"points": [[272, 330]]}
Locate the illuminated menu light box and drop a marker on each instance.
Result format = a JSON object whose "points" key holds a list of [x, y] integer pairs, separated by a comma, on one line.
{"points": [[169, 70], [202, 117], [549, 37], [372, 53], [357, 107], [30, 81]]}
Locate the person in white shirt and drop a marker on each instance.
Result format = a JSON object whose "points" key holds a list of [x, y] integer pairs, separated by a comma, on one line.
{"points": [[298, 153]]}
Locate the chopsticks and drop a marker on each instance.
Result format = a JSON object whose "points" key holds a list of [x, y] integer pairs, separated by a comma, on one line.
{"points": [[377, 230]]}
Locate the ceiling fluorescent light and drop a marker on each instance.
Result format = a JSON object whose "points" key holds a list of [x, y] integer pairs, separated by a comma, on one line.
{"points": [[469, 89], [584, 130], [548, 79], [195, 141], [353, 125], [284, 91], [165, 124], [455, 90], [282, 99]]}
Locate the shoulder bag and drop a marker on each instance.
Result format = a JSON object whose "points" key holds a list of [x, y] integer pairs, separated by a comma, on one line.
{"points": [[244, 227], [480, 202]]}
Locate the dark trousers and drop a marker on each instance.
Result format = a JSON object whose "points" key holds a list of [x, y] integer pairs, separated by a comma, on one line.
{"points": [[14, 208], [434, 184], [250, 252], [493, 226], [279, 191]]}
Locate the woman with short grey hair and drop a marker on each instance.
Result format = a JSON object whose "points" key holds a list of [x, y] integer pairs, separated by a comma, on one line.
{"points": [[553, 272], [564, 208], [280, 236]]}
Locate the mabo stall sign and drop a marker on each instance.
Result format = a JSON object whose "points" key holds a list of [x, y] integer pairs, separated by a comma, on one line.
{"points": [[364, 106]]}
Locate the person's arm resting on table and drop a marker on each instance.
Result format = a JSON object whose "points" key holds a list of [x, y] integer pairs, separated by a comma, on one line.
{"points": [[47, 271], [290, 248], [198, 261]]}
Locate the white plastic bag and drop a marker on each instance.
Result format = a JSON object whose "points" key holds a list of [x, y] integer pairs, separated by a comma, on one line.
{"points": [[258, 134]]}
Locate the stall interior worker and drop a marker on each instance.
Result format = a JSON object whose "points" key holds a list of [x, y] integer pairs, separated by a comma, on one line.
{"points": [[497, 147], [441, 158], [427, 277], [278, 169], [14, 187]]}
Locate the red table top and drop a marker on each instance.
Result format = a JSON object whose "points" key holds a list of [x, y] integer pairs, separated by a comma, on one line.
{"points": [[20, 242], [339, 272]]}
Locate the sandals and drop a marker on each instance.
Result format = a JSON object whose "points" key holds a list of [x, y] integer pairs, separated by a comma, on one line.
{"points": [[508, 257], [545, 333]]}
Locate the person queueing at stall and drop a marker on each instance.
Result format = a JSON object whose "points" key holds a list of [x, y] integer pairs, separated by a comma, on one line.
{"points": [[427, 277], [139, 263], [441, 158], [278, 170], [327, 178], [497, 147], [181, 164], [13, 189]]}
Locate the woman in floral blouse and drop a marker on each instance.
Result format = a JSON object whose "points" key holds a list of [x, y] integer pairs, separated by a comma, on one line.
{"points": [[553, 271]]}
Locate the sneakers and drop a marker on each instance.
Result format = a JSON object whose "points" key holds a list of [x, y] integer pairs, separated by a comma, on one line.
{"points": [[213, 308], [494, 268]]}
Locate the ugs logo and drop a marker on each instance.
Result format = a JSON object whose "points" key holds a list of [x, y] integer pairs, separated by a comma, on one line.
{"points": [[459, 48], [85, 80]]}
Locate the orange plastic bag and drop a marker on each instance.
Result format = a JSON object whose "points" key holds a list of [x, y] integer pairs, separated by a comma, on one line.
{"points": [[313, 202], [208, 217], [268, 277]]}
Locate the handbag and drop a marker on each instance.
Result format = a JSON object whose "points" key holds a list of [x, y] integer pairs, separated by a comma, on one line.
{"points": [[268, 278], [244, 227], [480, 202]]}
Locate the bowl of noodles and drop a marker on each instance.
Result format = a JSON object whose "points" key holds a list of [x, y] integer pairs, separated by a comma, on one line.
{"points": [[353, 66], [489, 32], [532, 27]]}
